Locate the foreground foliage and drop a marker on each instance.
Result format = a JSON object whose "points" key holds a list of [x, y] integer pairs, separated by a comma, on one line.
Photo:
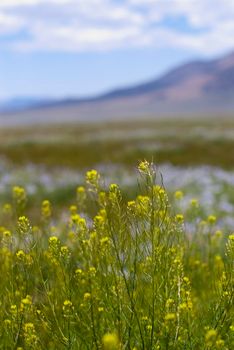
{"points": [[114, 274]]}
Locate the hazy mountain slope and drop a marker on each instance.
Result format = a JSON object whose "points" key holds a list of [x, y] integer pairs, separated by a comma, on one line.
{"points": [[196, 88]]}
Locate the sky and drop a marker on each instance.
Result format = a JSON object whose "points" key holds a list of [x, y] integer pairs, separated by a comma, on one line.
{"points": [[62, 48]]}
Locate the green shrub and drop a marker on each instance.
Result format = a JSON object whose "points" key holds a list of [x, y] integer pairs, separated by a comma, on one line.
{"points": [[129, 277]]}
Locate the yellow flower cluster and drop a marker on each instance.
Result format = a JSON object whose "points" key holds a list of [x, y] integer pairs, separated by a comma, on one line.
{"points": [[115, 270]]}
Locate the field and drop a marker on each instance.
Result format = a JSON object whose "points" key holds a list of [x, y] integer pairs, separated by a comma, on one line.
{"points": [[88, 145], [145, 264]]}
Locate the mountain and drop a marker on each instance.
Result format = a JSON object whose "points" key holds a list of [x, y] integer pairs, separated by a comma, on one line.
{"points": [[22, 103], [193, 89]]}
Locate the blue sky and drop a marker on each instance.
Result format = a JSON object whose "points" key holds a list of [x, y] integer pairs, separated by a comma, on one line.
{"points": [[57, 48]]}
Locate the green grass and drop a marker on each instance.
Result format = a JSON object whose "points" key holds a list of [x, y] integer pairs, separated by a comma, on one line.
{"points": [[177, 142]]}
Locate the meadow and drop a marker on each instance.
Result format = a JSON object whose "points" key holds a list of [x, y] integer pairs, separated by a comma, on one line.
{"points": [[209, 141], [137, 254]]}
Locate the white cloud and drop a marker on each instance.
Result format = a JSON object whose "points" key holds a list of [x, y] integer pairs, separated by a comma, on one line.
{"points": [[93, 25], [14, 3], [9, 24], [80, 38], [18, 3]]}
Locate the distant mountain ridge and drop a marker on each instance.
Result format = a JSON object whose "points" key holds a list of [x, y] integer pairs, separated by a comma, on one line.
{"points": [[21, 103], [195, 88]]}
